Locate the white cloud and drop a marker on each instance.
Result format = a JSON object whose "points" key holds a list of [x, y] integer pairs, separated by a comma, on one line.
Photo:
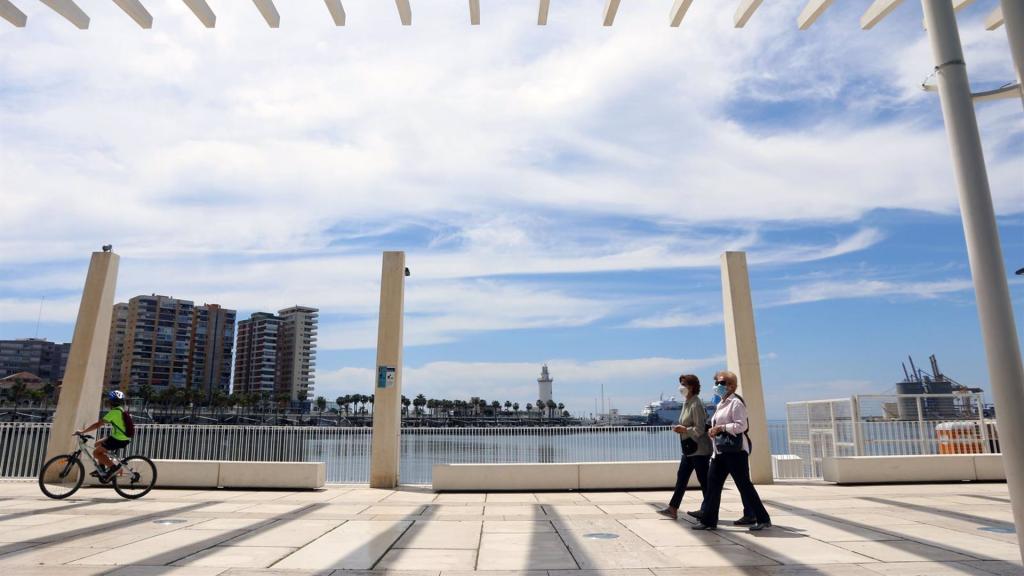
{"points": [[833, 290]]}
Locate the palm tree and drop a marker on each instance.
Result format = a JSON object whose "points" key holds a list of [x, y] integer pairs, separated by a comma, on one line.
{"points": [[146, 394], [18, 391], [321, 404], [340, 401], [405, 405], [515, 408], [508, 405], [540, 406], [561, 407], [529, 407], [551, 406], [419, 403]]}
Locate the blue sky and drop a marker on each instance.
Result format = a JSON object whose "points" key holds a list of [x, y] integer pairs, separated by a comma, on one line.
{"points": [[563, 193]]}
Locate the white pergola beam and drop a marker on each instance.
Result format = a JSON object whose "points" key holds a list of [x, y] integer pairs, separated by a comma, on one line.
{"points": [[11, 13], [70, 11], [878, 10], [542, 12], [337, 11], [474, 12], [611, 8], [811, 13], [744, 11], [679, 8], [404, 12], [269, 12], [995, 19], [202, 11], [137, 12]]}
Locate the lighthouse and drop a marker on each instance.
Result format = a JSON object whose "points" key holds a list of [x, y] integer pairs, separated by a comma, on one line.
{"points": [[544, 384]]}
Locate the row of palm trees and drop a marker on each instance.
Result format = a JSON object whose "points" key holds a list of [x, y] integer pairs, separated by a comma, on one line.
{"points": [[423, 406]]}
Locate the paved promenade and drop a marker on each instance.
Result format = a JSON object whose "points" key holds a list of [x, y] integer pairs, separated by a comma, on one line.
{"points": [[820, 530]]}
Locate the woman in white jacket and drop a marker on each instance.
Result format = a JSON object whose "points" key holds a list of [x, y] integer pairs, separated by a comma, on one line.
{"points": [[730, 457]]}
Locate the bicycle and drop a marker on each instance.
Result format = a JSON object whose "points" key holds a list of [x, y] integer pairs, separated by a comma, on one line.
{"points": [[132, 477]]}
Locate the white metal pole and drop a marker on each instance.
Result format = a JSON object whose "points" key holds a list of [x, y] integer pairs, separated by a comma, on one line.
{"points": [[1013, 20], [995, 311]]}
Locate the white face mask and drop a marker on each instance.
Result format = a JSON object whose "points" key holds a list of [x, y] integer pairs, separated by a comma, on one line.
{"points": [[682, 391]]}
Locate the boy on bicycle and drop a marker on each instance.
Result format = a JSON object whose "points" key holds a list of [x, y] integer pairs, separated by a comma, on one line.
{"points": [[118, 437]]}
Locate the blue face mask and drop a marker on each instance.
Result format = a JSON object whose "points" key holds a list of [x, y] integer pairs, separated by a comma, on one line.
{"points": [[721, 391], [716, 399]]}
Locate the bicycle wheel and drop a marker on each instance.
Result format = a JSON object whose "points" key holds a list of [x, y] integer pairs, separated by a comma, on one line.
{"points": [[61, 476], [135, 478]]}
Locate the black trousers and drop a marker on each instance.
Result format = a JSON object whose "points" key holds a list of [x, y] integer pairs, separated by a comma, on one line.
{"points": [[737, 465], [686, 467]]}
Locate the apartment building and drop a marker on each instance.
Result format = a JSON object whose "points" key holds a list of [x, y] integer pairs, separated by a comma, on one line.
{"points": [[210, 346], [296, 362], [115, 347], [38, 356], [277, 353], [256, 354]]}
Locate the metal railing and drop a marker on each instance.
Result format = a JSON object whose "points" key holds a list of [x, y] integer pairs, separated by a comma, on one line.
{"points": [[888, 425], [346, 451]]}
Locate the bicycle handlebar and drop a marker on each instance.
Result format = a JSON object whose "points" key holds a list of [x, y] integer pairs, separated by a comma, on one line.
{"points": [[83, 437]]}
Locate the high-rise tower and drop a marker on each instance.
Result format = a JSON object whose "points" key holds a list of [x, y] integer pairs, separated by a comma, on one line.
{"points": [[544, 384]]}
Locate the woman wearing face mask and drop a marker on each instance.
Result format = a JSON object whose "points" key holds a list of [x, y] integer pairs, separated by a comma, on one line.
{"points": [[731, 451], [692, 430]]}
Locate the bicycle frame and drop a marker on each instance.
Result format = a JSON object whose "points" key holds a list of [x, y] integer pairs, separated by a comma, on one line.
{"points": [[83, 447]]}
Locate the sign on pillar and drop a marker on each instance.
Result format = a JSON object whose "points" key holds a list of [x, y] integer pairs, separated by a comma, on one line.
{"points": [[82, 387], [742, 358], [387, 388]]}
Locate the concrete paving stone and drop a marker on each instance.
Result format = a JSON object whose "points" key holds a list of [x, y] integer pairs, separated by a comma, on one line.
{"points": [[230, 524], [788, 548], [626, 551], [652, 495], [44, 555], [562, 510], [511, 498], [411, 559], [162, 549], [926, 569], [537, 551], [977, 547], [603, 572], [420, 572], [560, 498], [997, 567], [395, 510], [275, 572], [167, 571], [220, 507], [67, 529], [477, 498], [712, 556], [517, 526], [902, 551], [819, 570], [453, 510], [34, 519], [10, 547], [524, 510], [357, 544], [827, 529], [123, 533], [55, 570], [488, 573], [290, 533], [442, 535], [336, 511], [275, 509], [236, 556], [667, 533], [591, 524], [617, 509], [409, 497], [361, 495], [610, 497]]}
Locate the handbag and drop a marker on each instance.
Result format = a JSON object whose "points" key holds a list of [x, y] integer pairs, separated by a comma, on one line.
{"points": [[689, 446], [726, 443]]}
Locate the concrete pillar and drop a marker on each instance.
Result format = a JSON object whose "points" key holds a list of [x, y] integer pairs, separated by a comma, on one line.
{"points": [[1013, 20], [984, 252], [742, 358], [80, 393], [387, 383]]}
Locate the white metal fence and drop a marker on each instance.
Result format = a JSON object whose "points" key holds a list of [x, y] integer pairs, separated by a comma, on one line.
{"points": [[888, 425], [346, 451]]}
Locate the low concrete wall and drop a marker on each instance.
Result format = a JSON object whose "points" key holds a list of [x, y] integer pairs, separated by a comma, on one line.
{"points": [[928, 468], [573, 476], [225, 474]]}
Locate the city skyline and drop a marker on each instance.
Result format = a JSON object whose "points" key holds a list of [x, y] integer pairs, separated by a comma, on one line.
{"points": [[563, 194]]}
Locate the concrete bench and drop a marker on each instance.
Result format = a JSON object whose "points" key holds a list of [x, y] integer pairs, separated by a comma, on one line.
{"points": [[571, 476], [927, 468], [227, 474]]}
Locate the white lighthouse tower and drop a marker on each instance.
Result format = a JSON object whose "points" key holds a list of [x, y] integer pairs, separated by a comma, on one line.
{"points": [[544, 384]]}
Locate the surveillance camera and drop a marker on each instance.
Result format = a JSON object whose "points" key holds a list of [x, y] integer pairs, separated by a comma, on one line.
{"points": [[108, 247], [407, 273]]}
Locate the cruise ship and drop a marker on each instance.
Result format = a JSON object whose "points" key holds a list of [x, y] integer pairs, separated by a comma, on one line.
{"points": [[663, 411]]}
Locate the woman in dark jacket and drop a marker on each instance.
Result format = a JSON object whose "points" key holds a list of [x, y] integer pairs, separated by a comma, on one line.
{"points": [[692, 430]]}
